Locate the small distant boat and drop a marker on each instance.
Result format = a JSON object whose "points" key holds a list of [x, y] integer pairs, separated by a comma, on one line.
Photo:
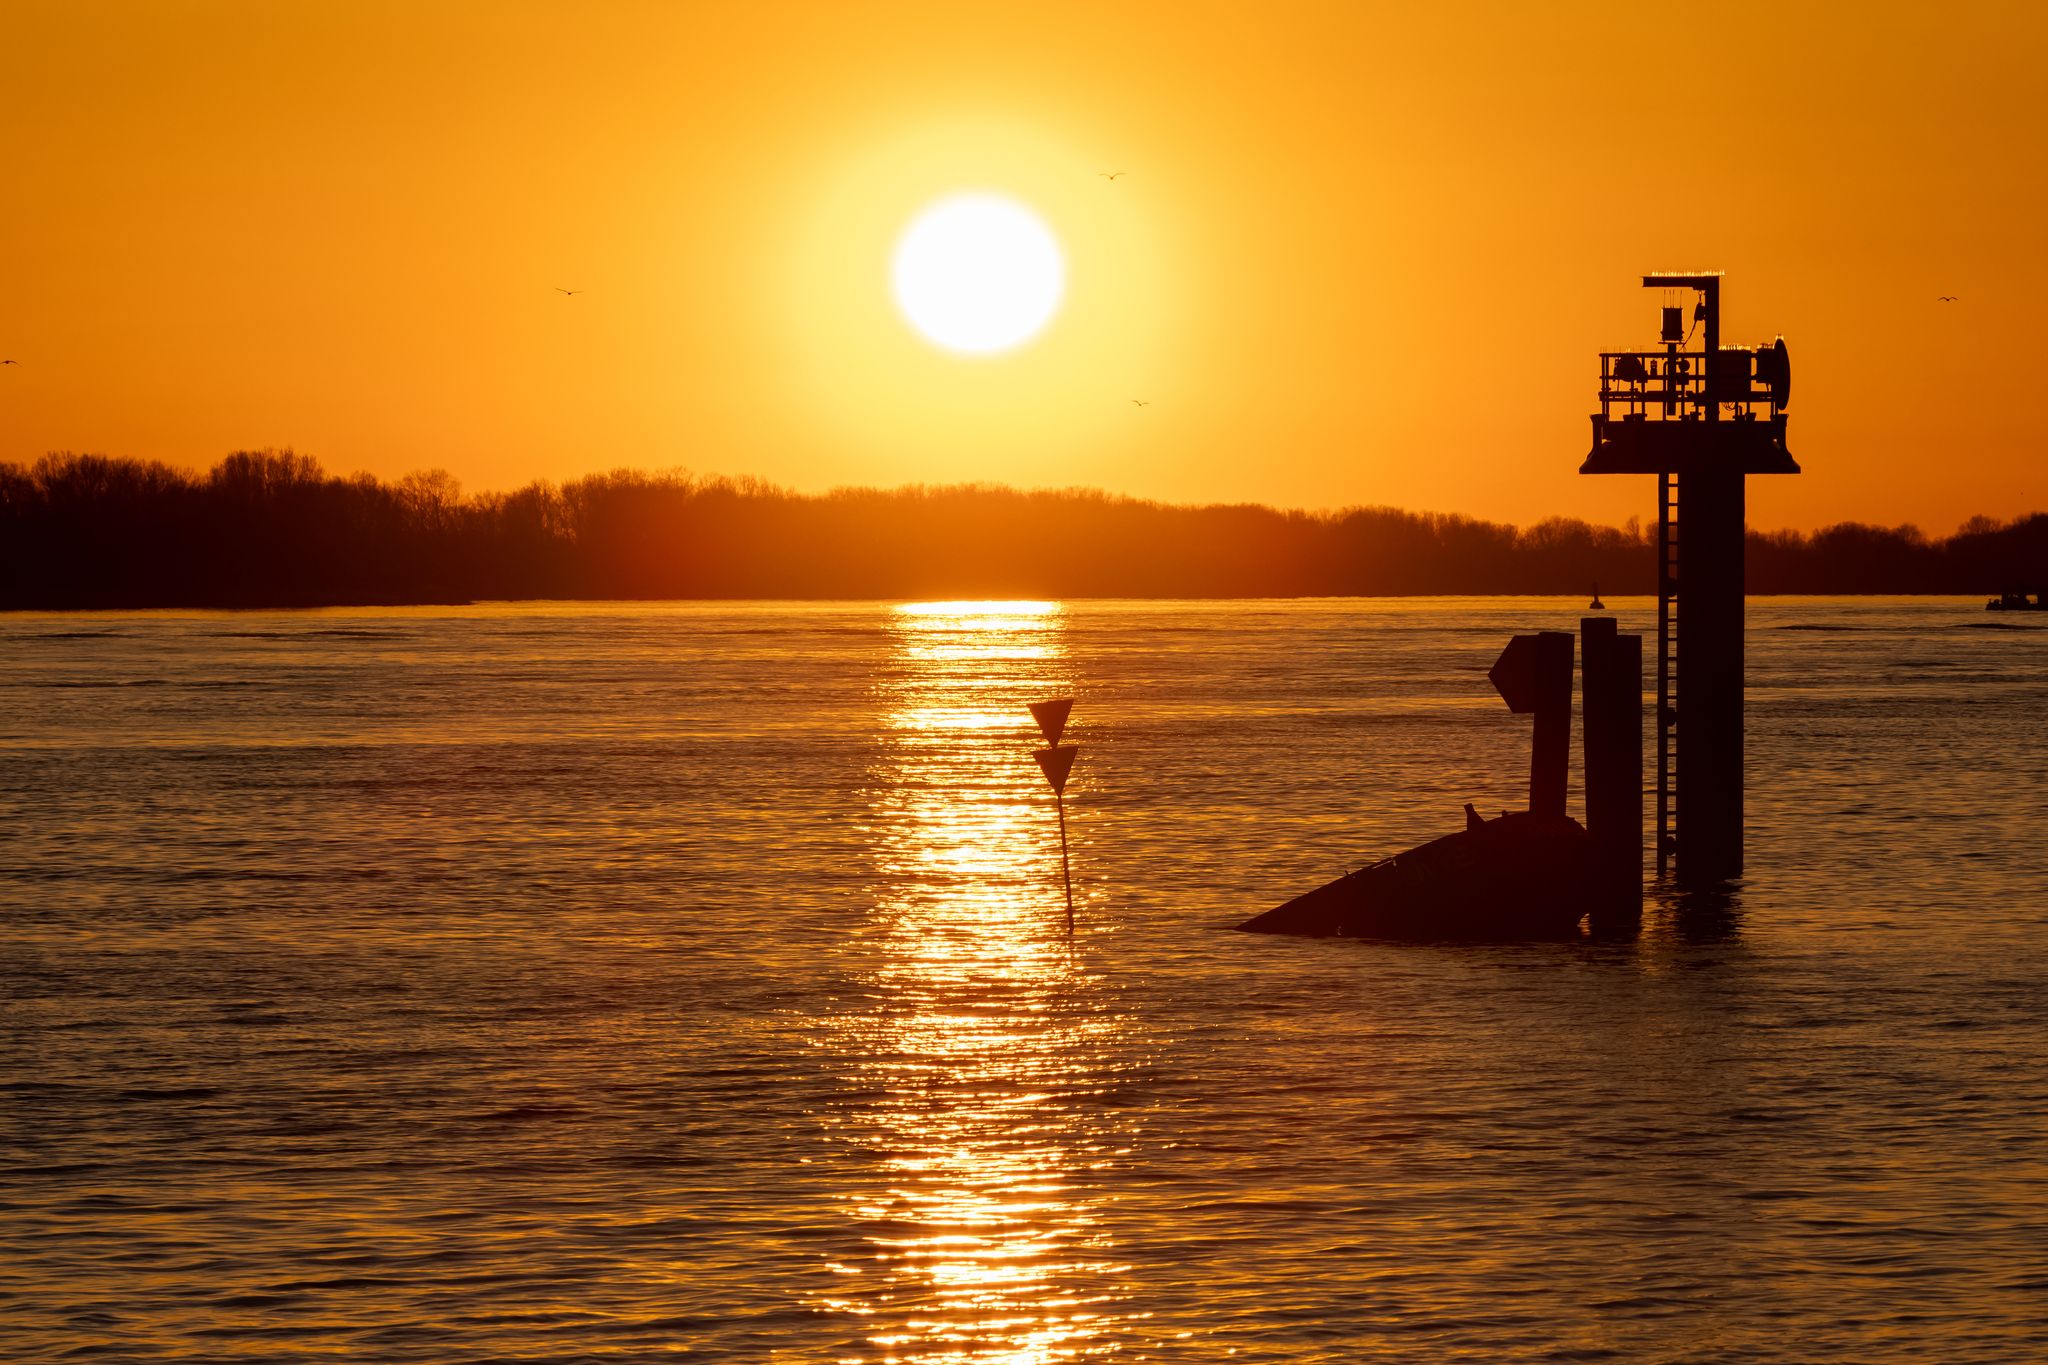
{"points": [[2016, 601], [1596, 604]]}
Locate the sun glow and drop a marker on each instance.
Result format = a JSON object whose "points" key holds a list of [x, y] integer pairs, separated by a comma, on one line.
{"points": [[865, 383], [978, 273]]}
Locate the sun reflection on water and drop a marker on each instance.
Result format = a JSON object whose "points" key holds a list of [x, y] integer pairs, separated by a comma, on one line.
{"points": [[986, 1045]]}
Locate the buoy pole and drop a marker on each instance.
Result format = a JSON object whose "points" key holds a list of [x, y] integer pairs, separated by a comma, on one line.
{"points": [[1066, 871]]}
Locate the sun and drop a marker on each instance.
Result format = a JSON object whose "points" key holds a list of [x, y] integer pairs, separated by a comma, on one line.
{"points": [[978, 273]]}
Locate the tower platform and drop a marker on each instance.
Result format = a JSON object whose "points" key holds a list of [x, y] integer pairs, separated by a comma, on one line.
{"points": [[1636, 445]]}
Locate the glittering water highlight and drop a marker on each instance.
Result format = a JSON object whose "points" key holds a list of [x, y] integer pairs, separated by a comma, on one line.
{"points": [[655, 981]]}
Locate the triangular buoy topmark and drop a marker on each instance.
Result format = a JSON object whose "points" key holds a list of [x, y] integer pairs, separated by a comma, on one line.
{"points": [[1056, 763], [1052, 718]]}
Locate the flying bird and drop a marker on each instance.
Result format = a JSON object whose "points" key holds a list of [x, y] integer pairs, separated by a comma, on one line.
{"points": [[1946, 298], [1142, 402], [560, 290], [1109, 175], [9, 362]]}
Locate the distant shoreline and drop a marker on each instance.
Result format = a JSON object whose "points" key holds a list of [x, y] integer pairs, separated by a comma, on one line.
{"points": [[254, 607], [273, 531]]}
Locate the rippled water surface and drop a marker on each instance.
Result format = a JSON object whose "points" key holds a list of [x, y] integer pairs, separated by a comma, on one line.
{"points": [[549, 983]]}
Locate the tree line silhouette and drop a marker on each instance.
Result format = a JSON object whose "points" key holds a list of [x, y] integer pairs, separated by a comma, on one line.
{"points": [[272, 528]]}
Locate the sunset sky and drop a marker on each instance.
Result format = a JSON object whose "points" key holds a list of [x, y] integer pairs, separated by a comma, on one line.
{"points": [[1359, 254]]}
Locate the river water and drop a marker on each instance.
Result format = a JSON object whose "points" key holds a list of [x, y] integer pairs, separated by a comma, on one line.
{"points": [[690, 981]]}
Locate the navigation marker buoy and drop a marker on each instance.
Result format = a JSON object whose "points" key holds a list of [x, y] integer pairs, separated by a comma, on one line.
{"points": [[1052, 718], [1056, 762]]}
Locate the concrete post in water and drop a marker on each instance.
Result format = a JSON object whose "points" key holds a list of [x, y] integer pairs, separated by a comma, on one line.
{"points": [[1612, 715], [1550, 757], [1534, 675]]}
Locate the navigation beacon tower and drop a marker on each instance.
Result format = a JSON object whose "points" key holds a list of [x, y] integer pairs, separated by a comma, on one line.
{"points": [[1702, 420]]}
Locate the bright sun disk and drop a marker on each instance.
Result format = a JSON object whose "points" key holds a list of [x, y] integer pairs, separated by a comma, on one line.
{"points": [[978, 273]]}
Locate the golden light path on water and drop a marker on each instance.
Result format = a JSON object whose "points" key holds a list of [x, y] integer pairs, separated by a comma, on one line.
{"points": [[984, 1038]]}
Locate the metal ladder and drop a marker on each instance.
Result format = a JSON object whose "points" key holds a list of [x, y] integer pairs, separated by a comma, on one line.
{"points": [[1667, 664]]}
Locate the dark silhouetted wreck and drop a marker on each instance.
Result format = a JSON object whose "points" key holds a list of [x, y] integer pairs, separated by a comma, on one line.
{"points": [[1534, 873]]}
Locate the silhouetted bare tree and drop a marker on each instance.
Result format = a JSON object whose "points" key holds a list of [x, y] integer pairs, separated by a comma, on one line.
{"points": [[271, 528]]}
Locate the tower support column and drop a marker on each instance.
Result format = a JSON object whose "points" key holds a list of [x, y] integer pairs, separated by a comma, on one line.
{"points": [[1709, 669]]}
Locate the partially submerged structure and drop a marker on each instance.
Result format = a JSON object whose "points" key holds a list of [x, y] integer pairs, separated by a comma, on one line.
{"points": [[1527, 873]]}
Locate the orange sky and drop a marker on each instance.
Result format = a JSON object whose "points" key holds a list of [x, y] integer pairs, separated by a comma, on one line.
{"points": [[1361, 255]]}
